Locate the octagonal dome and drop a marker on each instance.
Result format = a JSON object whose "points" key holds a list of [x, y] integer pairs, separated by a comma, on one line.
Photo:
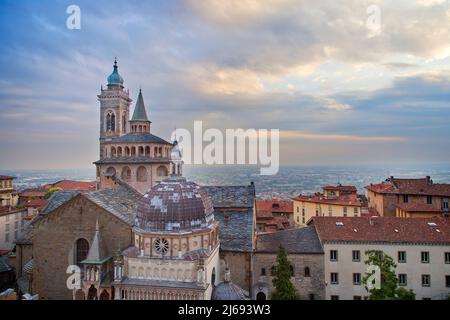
{"points": [[174, 205]]}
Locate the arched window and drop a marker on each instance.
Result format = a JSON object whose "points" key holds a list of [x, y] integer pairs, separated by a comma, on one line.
{"points": [[140, 128], [111, 122], [126, 173], [119, 151], [141, 151], [127, 151], [92, 293], [307, 272], [124, 123], [161, 171], [147, 151], [160, 151], [108, 122], [155, 154], [213, 277], [141, 174], [113, 152], [111, 171], [81, 250], [133, 151]]}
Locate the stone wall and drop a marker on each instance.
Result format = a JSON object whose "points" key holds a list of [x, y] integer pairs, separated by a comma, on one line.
{"points": [[54, 239], [306, 286], [240, 268]]}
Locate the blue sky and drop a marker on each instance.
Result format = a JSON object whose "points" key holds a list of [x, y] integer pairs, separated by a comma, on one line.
{"points": [[312, 69]]}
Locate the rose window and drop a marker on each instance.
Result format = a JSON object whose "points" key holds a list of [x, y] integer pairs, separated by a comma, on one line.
{"points": [[162, 246]]}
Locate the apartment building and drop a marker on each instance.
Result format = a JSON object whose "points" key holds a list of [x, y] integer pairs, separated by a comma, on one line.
{"points": [[334, 201], [419, 246], [408, 197]]}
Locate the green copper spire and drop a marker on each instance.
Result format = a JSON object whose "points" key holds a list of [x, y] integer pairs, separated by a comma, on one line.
{"points": [[115, 78], [140, 114]]}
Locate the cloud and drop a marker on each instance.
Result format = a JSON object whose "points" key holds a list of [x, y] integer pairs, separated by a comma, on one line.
{"points": [[305, 67], [337, 137]]}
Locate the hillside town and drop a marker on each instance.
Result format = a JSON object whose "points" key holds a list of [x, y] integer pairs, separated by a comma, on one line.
{"points": [[141, 231]]}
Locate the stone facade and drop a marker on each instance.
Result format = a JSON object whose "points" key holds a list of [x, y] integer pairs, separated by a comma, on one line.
{"points": [[54, 242], [309, 287], [240, 265], [127, 148]]}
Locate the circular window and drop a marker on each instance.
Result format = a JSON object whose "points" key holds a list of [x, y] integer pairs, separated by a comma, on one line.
{"points": [[161, 246]]}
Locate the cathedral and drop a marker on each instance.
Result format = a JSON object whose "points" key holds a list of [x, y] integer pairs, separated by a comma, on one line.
{"points": [[146, 233]]}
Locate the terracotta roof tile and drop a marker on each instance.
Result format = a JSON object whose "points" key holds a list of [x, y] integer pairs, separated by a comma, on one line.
{"points": [[422, 186], [383, 229], [71, 185], [343, 200], [417, 207], [2, 177]]}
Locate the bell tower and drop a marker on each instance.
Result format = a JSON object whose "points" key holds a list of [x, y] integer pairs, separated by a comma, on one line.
{"points": [[114, 109]]}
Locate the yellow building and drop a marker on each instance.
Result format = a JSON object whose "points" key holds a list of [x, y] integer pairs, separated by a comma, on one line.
{"points": [[415, 196], [335, 201], [417, 210], [8, 196]]}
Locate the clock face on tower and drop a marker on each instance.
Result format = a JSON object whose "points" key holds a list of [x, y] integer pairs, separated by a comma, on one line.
{"points": [[161, 246]]}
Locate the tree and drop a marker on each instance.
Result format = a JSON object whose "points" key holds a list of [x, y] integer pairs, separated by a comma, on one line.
{"points": [[389, 289], [284, 289], [50, 192]]}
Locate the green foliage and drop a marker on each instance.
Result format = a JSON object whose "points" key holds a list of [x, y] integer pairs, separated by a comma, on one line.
{"points": [[50, 192], [389, 289], [284, 289]]}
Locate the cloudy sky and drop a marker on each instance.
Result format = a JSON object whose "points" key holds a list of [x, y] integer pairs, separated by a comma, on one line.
{"points": [[341, 88]]}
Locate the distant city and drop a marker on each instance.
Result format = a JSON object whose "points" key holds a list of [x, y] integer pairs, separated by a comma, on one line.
{"points": [[290, 180]]}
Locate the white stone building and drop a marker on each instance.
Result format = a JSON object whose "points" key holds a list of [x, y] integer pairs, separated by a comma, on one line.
{"points": [[420, 248]]}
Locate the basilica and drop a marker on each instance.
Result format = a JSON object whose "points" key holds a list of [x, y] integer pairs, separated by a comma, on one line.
{"points": [[146, 233]]}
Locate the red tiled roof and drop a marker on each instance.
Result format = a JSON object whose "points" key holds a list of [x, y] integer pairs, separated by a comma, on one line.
{"points": [[341, 188], [6, 177], [5, 210], [274, 206], [417, 207], [34, 192], [343, 200], [71, 185], [383, 229], [37, 203], [422, 186]]}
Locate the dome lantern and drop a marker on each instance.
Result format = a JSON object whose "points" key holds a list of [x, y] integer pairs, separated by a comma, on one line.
{"points": [[115, 79]]}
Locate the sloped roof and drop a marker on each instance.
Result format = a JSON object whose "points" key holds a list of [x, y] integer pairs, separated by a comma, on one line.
{"points": [[435, 230], [57, 199], [236, 230], [421, 186], [232, 196], [72, 185], [144, 137], [2, 177], [417, 207], [342, 200], [121, 201], [295, 241]]}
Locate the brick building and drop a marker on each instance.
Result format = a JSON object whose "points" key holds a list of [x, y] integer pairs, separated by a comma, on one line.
{"points": [[409, 197], [305, 255], [274, 215]]}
